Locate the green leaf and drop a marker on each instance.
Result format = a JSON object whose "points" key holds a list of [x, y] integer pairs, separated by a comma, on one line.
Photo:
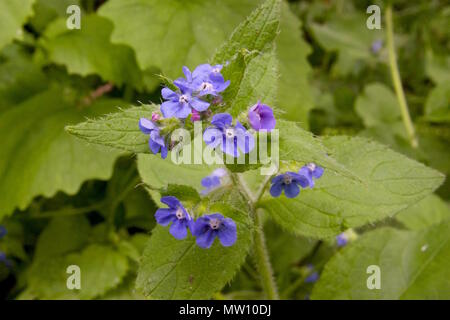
{"points": [[249, 56], [39, 158], [377, 105], [62, 235], [300, 145], [437, 67], [102, 269], [170, 34], [160, 173], [437, 106], [20, 79], [89, 51], [294, 94], [211, 25], [413, 265], [425, 213], [13, 15], [390, 182], [45, 11], [179, 269], [119, 130]]}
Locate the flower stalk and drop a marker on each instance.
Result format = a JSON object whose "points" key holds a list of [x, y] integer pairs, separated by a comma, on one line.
{"points": [[397, 81], [262, 258]]}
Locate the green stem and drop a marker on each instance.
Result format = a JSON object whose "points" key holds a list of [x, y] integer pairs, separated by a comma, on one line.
{"points": [[261, 254], [397, 81], [262, 260]]}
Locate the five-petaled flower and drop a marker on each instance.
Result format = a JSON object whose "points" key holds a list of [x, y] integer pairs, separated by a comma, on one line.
{"points": [[179, 104], [260, 116], [156, 142], [289, 182], [205, 80], [177, 214], [311, 171], [208, 227], [214, 180], [230, 138]]}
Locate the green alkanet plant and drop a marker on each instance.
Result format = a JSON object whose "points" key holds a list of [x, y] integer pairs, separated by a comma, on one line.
{"points": [[344, 179]]}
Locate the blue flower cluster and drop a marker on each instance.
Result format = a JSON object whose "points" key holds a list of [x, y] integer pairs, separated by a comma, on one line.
{"points": [[194, 95], [290, 182], [206, 228]]}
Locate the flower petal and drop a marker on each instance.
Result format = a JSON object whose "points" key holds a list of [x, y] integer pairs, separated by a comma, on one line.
{"points": [[300, 179], [229, 146], [171, 201], [154, 146], [199, 105], [146, 125], [304, 171], [291, 190], [227, 232], [200, 226], [169, 108], [187, 73], [178, 229], [205, 240], [183, 112], [317, 173], [276, 189], [221, 120], [169, 94], [164, 152], [165, 216], [212, 137]]}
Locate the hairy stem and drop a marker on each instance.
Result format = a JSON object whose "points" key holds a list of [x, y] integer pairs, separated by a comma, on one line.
{"points": [[261, 254], [262, 259], [397, 81]]}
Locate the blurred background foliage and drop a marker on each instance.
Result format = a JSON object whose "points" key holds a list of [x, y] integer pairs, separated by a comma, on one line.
{"points": [[63, 201]]}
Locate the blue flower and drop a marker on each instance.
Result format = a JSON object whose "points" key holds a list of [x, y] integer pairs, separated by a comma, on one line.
{"points": [[208, 227], [376, 46], [230, 139], [3, 231], [179, 104], [289, 182], [311, 171], [345, 237], [341, 239], [205, 80], [5, 260], [213, 181], [313, 276], [156, 142], [260, 116], [175, 214]]}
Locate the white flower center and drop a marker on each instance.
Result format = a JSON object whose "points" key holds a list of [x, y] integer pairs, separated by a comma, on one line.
{"points": [[183, 98], [230, 133], [216, 70], [214, 224], [180, 214], [311, 166], [287, 179], [206, 86]]}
